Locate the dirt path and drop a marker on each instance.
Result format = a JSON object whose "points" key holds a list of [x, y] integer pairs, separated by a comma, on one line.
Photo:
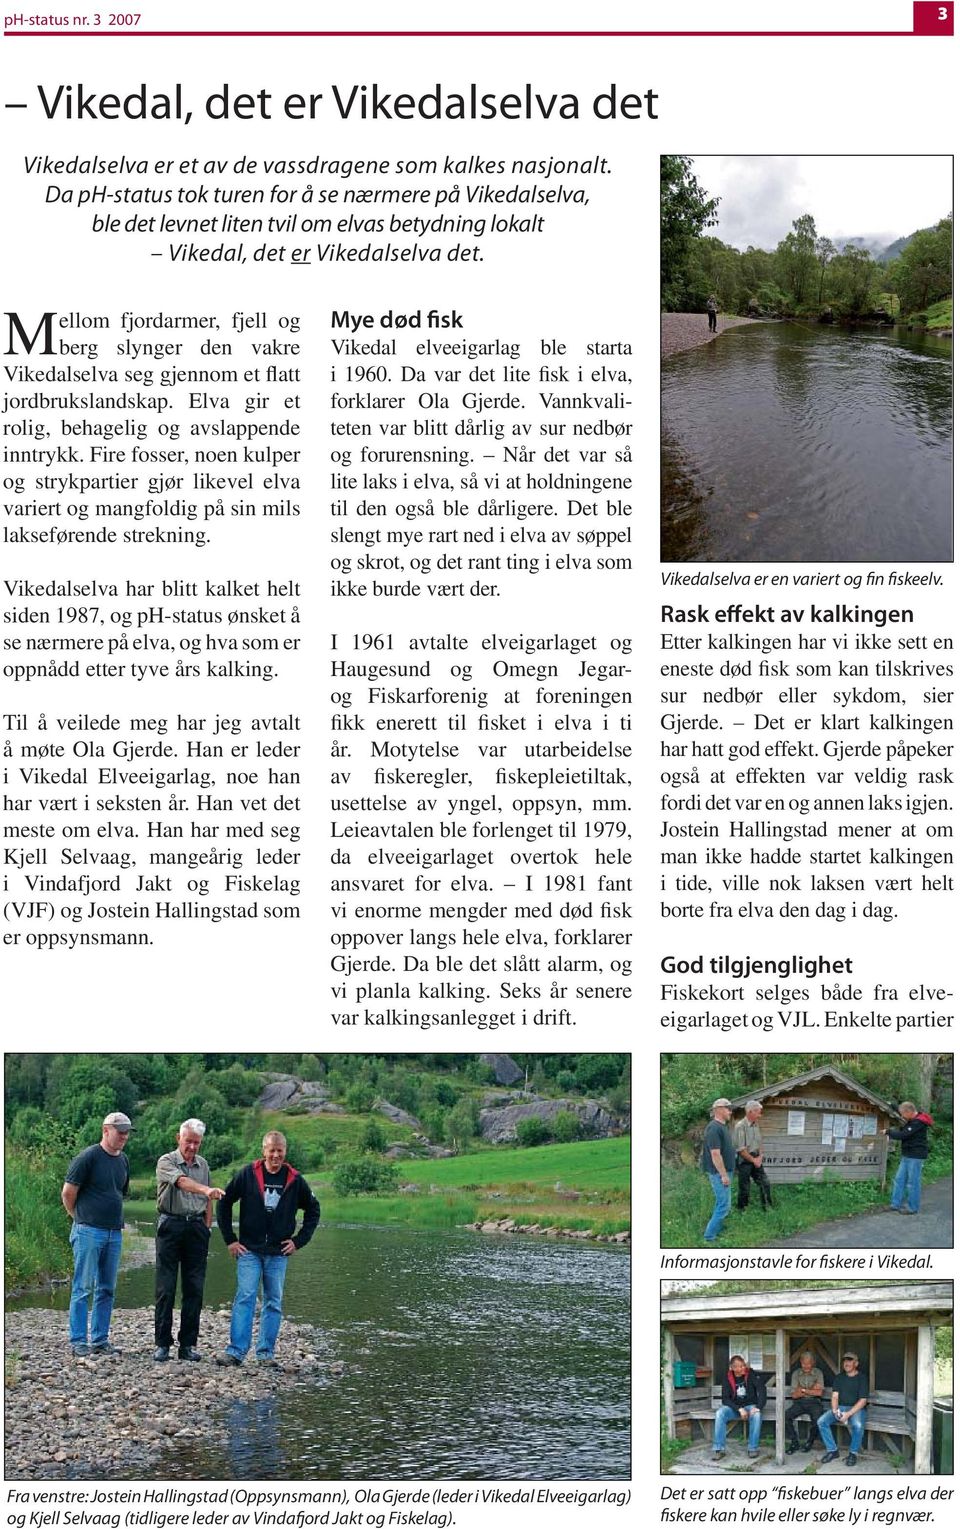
{"points": [[931, 1227], [684, 331]]}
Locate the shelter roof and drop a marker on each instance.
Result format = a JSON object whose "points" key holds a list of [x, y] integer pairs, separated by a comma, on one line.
{"points": [[920, 1300], [785, 1085]]}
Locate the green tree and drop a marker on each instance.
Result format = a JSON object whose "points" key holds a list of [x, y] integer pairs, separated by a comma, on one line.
{"points": [[853, 276], [25, 1078], [359, 1098], [363, 1175], [826, 251], [685, 211], [598, 1070], [924, 272], [796, 257], [238, 1085], [82, 1089], [198, 1097], [532, 1131], [373, 1138], [566, 1126], [461, 1123]]}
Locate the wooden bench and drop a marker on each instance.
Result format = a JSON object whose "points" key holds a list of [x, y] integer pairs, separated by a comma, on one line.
{"points": [[884, 1417]]}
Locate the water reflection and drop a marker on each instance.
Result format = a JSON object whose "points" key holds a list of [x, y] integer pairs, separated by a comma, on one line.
{"points": [[792, 442], [466, 1357]]}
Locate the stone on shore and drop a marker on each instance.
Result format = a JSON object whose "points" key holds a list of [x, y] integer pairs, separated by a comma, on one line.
{"points": [[123, 1417], [685, 331]]}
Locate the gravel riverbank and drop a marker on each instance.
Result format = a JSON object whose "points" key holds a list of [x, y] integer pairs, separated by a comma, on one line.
{"points": [[121, 1417], [684, 331]]}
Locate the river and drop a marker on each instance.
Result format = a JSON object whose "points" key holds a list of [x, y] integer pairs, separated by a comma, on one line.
{"points": [[466, 1357], [790, 442]]}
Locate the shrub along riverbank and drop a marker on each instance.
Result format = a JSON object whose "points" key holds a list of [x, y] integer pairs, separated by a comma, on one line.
{"points": [[350, 1117], [578, 1186], [35, 1224]]}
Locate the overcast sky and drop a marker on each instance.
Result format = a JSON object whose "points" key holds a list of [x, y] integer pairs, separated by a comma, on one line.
{"points": [[878, 197]]}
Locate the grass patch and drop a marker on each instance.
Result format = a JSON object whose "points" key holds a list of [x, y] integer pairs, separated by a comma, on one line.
{"points": [[555, 1212], [670, 1449], [937, 316], [489, 1184], [598, 1167], [401, 1210], [313, 1131], [686, 1201], [501, 1182], [37, 1231]]}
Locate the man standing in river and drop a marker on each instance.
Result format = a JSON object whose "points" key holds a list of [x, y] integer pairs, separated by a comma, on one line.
{"points": [[270, 1193], [712, 313], [184, 1214], [92, 1196]]}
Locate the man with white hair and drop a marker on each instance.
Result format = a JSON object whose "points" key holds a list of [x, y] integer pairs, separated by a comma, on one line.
{"points": [[749, 1146], [184, 1213]]}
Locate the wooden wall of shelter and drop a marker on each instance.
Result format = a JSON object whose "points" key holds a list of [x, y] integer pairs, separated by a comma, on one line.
{"points": [[819, 1121], [891, 1328]]}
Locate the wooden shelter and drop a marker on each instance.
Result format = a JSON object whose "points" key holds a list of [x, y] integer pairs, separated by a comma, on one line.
{"points": [[819, 1121], [891, 1328]]}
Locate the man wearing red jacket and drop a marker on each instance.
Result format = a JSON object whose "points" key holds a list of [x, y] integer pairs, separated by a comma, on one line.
{"points": [[270, 1193], [914, 1150]]}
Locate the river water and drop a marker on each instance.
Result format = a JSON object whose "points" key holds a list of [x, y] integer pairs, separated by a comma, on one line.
{"points": [[467, 1357], [788, 442]]}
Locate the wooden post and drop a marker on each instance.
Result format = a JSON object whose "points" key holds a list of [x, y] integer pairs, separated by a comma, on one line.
{"points": [[668, 1357], [872, 1364], [926, 1360], [781, 1425], [884, 1151]]}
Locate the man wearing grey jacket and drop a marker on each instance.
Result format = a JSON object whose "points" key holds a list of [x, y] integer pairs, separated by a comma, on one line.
{"points": [[185, 1199]]}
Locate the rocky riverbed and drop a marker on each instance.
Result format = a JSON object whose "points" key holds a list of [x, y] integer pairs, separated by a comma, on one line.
{"points": [[684, 331], [119, 1417], [511, 1227]]}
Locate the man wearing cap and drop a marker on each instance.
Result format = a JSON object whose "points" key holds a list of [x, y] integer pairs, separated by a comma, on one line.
{"points": [[92, 1196], [847, 1405], [749, 1148], [717, 1162], [184, 1214]]}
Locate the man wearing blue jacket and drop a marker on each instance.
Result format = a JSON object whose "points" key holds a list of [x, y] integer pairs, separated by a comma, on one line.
{"points": [[270, 1193]]}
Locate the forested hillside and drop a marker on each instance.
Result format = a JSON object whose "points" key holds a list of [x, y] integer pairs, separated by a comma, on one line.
{"points": [[806, 274], [58, 1101]]}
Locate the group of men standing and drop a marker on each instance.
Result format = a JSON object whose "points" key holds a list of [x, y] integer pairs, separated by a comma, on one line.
{"points": [[726, 1153], [741, 1152], [270, 1195]]}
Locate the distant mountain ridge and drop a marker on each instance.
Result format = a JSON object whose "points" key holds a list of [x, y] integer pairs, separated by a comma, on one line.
{"points": [[882, 253]]}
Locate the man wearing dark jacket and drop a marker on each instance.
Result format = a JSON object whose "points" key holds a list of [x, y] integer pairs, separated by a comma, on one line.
{"points": [[914, 1148], [742, 1395], [270, 1193]]}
